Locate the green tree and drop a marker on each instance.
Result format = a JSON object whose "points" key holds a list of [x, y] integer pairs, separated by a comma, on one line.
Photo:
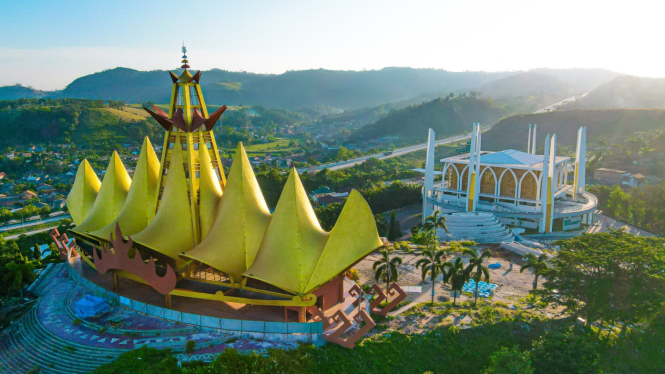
{"points": [[37, 252], [394, 231], [565, 352], [609, 277], [476, 268], [432, 264], [44, 211], [342, 154], [386, 268], [17, 275], [537, 264], [510, 361], [455, 275]]}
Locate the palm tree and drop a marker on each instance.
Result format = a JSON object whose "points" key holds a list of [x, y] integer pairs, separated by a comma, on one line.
{"points": [[432, 264], [386, 268], [435, 221], [456, 275], [538, 264], [476, 269], [17, 275]]}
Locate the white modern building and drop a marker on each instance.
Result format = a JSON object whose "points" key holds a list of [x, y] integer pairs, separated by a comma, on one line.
{"points": [[521, 189]]}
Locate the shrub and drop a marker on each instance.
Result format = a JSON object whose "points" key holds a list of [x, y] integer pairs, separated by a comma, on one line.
{"points": [[565, 352], [509, 361], [189, 346]]}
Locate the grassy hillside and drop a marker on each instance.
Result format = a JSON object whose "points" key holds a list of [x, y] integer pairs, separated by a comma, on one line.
{"points": [[447, 117], [87, 122], [625, 92], [613, 124]]}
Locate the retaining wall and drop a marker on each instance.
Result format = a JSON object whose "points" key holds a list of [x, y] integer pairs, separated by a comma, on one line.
{"points": [[309, 332]]}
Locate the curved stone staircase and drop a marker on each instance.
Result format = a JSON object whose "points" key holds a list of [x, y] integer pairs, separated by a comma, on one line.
{"points": [[27, 345], [480, 227]]}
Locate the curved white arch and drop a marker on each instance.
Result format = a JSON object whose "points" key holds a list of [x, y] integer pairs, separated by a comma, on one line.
{"points": [[496, 185], [519, 190], [514, 178], [461, 175], [445, 173]]}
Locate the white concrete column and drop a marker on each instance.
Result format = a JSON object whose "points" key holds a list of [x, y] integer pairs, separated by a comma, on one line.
{"points": [[471, 173], [477, 159], [545, 184], [428, 190], [528, 141], [550, 196], [533, 139]]}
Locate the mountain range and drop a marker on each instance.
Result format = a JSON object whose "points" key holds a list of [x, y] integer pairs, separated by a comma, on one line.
{"points": [[321, 88]]}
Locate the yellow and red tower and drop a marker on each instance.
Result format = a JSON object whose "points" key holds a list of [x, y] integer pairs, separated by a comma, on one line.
{"points": [[188, 124]]}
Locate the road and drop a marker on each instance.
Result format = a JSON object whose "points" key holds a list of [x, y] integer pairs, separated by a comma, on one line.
{"points": [[28, 233], [382, 155], [34, 223], [418, 147], [560, 103]]}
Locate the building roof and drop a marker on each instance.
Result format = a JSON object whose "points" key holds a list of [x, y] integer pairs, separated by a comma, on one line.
{"points": [[507, 157], [612, 170], [511, 157], [288, 250], [329, 199], [322, 190]]}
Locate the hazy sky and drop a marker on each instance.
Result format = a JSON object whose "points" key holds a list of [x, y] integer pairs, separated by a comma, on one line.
{"points": [[48, 43]]}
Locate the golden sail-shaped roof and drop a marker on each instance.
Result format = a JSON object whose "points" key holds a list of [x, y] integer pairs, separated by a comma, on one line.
{"points": [[110, 199], [171, 231], [353, 237], [210, 190], [82, 196], [293, 242], [297, 255], [139, 209], [240, 222]]}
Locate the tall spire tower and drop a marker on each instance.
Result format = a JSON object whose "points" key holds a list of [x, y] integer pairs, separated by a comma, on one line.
{"points": [[189, 127]]}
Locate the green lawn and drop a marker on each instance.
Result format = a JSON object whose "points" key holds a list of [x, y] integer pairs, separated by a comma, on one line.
{"points": [[279, 146]]}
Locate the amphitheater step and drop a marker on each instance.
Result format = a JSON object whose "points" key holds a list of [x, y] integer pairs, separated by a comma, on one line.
{"points": [[28, 345], [480, 227]]}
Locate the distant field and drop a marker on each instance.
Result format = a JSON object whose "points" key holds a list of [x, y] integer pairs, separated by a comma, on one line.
{"points": [[231, 86], [278, 146], [126, 116], [136, 111]]}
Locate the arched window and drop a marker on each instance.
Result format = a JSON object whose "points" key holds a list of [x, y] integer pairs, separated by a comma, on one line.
{"points": [[508, 184], [529, 187], [465, 178], [452, 177], [488, 182]]}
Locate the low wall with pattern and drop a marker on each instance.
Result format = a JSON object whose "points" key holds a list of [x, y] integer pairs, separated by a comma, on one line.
{"points": [[257, 330]]}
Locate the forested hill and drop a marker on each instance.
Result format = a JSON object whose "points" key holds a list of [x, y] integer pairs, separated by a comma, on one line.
{"points": [[612, 124], [446, 116], [291, 90], [625, 92], [528, 84], [19, 92], [298, 89]]}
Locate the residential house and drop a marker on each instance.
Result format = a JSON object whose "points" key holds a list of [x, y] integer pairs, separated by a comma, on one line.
{"points": [[9, 201], [7, 188], [328, 199], [27, 195], [45, 189]]}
